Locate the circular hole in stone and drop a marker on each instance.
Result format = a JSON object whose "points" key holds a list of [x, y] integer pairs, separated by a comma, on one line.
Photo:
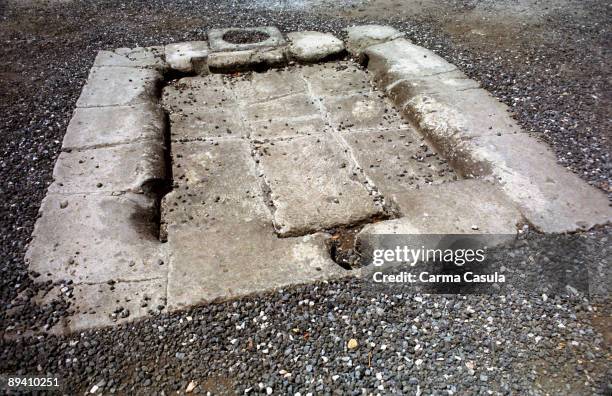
{"points": [[245, 36]]}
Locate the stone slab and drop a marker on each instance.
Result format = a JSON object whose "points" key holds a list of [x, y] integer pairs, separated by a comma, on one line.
{"points": [[398, 160], [361, 37], [202, 107], [314, 185], [551, 197], [99, 305], [312, 46], [400, 59], [217, 43], [336, 79], [135, 167], [359, 112], [228, 62], [148, 57], [187, 57], [120, 86], [268, 85], [96, 238], [300, 116], [107, 126]]}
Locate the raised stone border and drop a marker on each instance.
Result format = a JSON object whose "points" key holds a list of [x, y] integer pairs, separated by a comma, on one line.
{"points": [[98, 225]]}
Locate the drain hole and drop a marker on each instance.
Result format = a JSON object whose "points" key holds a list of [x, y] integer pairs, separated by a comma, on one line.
{"points": [[245, 36], [342, 247]]}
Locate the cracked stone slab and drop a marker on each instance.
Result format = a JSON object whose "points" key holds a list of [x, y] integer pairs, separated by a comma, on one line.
{"points": [[202, 107], [187, 57], [120, 86], [227, 62], [217, 43], [358, 112], [108, 126], [148, 57], [361, 37], [400, 59], [96, 238], [398, 160], [336, 79], [551, 197], [312, 46], [314, 185], [98, 305], [134, 167]]}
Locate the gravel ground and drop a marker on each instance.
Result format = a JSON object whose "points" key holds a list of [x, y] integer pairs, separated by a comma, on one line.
{"points": [[552, 68]]}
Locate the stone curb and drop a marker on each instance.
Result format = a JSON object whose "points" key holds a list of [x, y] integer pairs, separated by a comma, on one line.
{"points": [[476, 133]]}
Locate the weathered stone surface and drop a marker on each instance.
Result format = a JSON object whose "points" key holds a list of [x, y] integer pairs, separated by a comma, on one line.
{"points": [[96, 238], [332, 79], [271, 84], [187, 57], [475, 132], [151, 57], [430, 214], [551, 198], [287, 127], [105, 126], [362, 36], [311, 46], [134, 167], [314, 185], [226, 62], [360, 112], [217, 43], [120, 86], [398, 160], [400, 59], [202, 107], [98, 305], [220, 236]]}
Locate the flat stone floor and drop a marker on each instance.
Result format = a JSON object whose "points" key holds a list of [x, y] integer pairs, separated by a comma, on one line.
{"points": [[265, 163]]}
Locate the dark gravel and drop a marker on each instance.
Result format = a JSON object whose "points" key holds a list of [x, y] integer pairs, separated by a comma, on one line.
{"points": [[553, 74]]}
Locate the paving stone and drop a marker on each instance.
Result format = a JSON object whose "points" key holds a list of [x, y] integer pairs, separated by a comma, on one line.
{"points": [[359, 112], [217, 42], [336, 79], [150, 57], [98, 305], [552, 198], [220, 235], [134, 167], [96, 238], [400, 59], [398, 160], [314, 185], [227, 62], [288, 127], [271, 84], [187, 57], [218, 174], [106, 126], [202, 107], [120, 86], [311, 46], [362, 36]]}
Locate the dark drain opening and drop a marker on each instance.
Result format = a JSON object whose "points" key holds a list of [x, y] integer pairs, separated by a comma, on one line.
{"points": [[245, 36], [341, 247]]}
